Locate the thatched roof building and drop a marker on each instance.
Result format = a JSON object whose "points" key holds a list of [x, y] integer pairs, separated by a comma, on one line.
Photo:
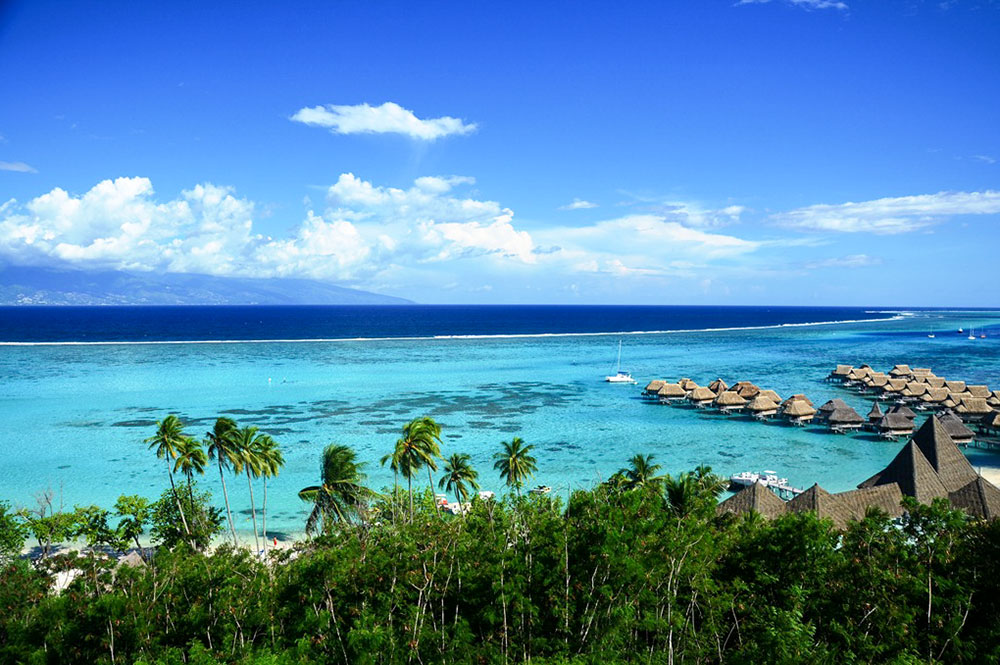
{"points": [[798, 396], [876, 413], [895, 424], [718, 386], [955, 386], [901, 370], [755, 498], [771, 395], [972, 408], [994, 399], [841, 372], [979, 498], [978, 391], [918, 372], [894, 386], [956, 429], [935, 396], [745, 389], [933, 381], [844, 418], [904, 411], [701, 396], [687, 384], [730, 400], [670, 391], [653, 386], [762, 407], [798, 411], [845, 507], [830, 406], [913, 390]]}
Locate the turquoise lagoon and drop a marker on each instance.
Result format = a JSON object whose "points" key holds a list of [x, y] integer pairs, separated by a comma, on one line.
{"points": [[73, 418]]}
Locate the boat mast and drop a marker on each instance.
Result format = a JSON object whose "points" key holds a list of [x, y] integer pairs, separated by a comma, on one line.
{"points": [[619, 370]]}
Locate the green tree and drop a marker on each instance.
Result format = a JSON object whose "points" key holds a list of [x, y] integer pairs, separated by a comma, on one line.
{"points": [[341, 494], [459, 476], [134, 513], [169, 436], [12, 533], [515, 463], [271, 460], [418, 447], [222, 448], [206, 523], [191, 459], [641, 472], [248, 461]]}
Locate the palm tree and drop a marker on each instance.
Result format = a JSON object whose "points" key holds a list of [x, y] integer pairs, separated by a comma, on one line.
{"points": [[271, 461], [221, 448], [190, 459], [710, 482], [682, 493], [398, 463], [515, 463], [340, 494], [169, 435], [457, 474], [641, 472], [247, 460], [419, 446]]}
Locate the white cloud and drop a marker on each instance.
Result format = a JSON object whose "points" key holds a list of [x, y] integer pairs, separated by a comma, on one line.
{"points": [[389, 118], [805, 4], [891, 215], [851, 261], [985, 159], [578, 204], [19, 167]]}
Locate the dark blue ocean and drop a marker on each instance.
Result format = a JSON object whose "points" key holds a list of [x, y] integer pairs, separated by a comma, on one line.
{"points": [[120, 324]]}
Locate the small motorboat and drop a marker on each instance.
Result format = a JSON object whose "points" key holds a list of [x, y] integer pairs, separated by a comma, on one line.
{"points": [[541, 489]]}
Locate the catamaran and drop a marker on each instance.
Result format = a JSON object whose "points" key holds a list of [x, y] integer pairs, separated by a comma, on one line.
{"points": [[620, 376]]}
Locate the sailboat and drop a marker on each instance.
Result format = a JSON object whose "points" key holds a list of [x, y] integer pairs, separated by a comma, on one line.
{"points": [[620, 376], [972, 333]]}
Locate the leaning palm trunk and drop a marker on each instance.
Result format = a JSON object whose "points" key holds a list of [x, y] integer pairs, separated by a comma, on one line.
{"points": [[430, 479], [264, 515], [177, 498], [409, 490], [253, 514], [225, 495]]}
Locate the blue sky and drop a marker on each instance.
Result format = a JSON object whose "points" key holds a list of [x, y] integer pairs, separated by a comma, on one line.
{"points": [[779, 152]]}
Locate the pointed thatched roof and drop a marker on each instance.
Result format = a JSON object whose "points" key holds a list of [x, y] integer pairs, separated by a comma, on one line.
{"points": [[133, 559], [746, 390], [994, 398], [900, 370], [912, 473], [879, 381], [701, 395], [980, 498], [844, 416], [798, 396], [730, 398], [895, 422], [904, 411], [955, 386], [761, 404], [973, 406], [845, 507], [956, 429], [654, 385], [757, 498], [978, 391], [771, 395], [913, 389], [934, 396], [671, 390], [875, 413], [921, 371], [812, 499], [933, 381], [841, 370], [944, 456], [798, 408], [894, 385], [687, 384], [951, 401], [718, 386], [832, 405]]}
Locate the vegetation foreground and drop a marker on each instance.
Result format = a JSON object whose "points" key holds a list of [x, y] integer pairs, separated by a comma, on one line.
{"points": [[639, 569]]}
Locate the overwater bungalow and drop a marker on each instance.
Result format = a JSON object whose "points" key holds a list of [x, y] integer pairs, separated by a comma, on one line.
{"points": [[875, 414], [933, 398], [652, 388], [955, 386], [687, 384], [877, 381], [829, 407], [745, 389], [840, 373], [798, 396], [844, 419], [893, 387], [894, 425], [933, 381], [857, 374], [718, 386], [701, 397], [994, 399], [771, 395], [903, 410], [918, 372], [951, 401], [902, 371], [990, 423], [798, 411], [762, 407], [978, 391], [730, 401], [956, 429], [972, 408], [913, 391], [670, 392]]}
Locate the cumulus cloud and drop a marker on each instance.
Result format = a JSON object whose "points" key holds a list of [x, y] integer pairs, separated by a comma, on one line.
{"points": [[891, 215], [851, 261], [805, 4], [985, 159], [18, 167], [578, 204], [389, 118]]}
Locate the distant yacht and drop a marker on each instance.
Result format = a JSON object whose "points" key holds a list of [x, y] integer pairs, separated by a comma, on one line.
{"points": [[972, 333], [931, 335], [620, 376]]}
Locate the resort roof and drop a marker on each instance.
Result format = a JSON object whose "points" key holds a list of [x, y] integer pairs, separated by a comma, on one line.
{"points": [[670, 390], [955, 386], [895, 422], [912, 473], [894, 385], [973, 406], [994, 398], [842, 370], [876, 411], [812, 499], [770, 394], [687, 384], [955, 427], [718, 386], [654, 385], [757, 498], [944, 456], [879, 381], [978, 391], [762, 403], [746, 389], [979, 498], [914, 389], [133, 559], [845, 507], [701, 395], [798, 408], [900, 370], [798, 397], [921, 371], [903, 411], [845, 416], [832, 405], [933, 381], [730, 398], [935, 395]]}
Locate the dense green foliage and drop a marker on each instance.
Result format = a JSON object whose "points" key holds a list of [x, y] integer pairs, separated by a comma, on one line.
{"points": [[618, 575]]}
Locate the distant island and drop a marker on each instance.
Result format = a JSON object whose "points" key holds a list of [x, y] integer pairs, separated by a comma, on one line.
{"points": [[48, 286]]}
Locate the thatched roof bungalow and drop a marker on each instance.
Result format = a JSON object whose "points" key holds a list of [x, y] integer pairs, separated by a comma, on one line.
{"points": [[893, 386], [901, 371], [762, 407], [653, 387], [670, 392], [933, 381], [718, 386], [972, 408], [798, 411], [903, 410], [687, 384], [828, 407], [918, 372], [730, 400], [745, 389], [893, 425], [978, 391], [845, 507], [844, 418], [771, 395], [955, 386], [798, 396], [875, 414], [980, 498], [934, 396], [756, 498], [913, 391], [956, 429], [701, 397], [994, 399], [840, 372]]}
